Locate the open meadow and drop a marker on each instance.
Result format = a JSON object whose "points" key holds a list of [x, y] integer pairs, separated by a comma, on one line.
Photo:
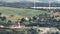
{"points": [[20, 11]]}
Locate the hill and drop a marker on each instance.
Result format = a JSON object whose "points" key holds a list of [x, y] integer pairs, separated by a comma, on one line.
{"points": [[28, 4]]}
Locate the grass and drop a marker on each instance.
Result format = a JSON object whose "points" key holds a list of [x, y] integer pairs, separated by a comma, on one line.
{"points": [[20, 12]]}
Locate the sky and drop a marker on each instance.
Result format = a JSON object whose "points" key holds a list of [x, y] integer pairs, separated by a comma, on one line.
{"points": [[30, 0]]}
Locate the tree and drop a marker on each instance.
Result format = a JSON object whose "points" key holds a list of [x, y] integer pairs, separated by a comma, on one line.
{"points": [[3, 18], [0, 13]]}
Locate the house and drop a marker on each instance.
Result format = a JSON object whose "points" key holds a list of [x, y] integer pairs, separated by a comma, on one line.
{"points": [[16, 25]]}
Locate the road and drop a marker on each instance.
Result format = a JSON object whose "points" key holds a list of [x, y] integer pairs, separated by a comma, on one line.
{"points": [[46, 7]]}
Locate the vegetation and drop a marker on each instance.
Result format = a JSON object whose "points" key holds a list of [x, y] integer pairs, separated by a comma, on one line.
{"points": [[34, 18], [20, 11]]}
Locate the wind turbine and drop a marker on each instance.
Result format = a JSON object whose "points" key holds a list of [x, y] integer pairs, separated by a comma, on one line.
{"points": [[50, 5], [34, 4]]}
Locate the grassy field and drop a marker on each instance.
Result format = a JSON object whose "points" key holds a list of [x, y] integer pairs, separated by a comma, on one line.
{"points": [[20, 12]]}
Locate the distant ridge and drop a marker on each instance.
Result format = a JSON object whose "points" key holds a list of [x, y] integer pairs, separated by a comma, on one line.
{"points": [[28, 4]]}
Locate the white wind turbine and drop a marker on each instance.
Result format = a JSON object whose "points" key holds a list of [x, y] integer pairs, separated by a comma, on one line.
{"points": [[34, 5], [50, 5]]}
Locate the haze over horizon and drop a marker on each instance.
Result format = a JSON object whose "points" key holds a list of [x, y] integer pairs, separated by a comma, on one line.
{"points": [[30, 0]]}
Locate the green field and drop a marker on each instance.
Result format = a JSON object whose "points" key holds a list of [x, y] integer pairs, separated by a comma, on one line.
{"points": [[20, 11]]}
